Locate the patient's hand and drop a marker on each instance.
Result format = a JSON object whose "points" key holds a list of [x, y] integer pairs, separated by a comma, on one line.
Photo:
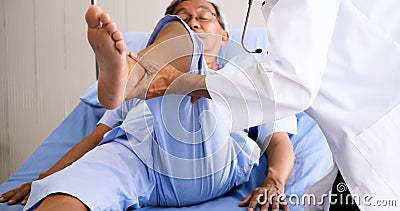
{"points": [[270, 195], [20, 194], [17, 195]]}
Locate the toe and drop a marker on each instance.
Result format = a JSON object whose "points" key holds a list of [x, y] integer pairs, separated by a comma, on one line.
{"points": [[111, 27], [117, 36], [105, 18], [120, 45], [93, 16]]}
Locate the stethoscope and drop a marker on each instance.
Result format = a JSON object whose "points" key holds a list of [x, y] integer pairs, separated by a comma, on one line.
{"points": [[258, 50]]}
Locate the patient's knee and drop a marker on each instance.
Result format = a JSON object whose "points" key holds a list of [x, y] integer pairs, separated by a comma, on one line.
{"points": [[60, 201]]}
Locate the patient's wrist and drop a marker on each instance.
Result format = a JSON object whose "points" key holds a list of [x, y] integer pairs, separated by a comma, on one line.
{"points": [[275, 178]]}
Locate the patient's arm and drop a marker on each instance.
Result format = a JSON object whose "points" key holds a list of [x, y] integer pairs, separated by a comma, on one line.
{"points": [[21, 193], [76, 152], [280, 164]]}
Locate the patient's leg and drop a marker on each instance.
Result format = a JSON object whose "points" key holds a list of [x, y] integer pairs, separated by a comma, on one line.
{"points": [[119, 76], [61, 202]]}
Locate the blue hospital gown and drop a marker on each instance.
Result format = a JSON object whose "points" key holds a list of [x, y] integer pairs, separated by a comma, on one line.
{"points": [[184, 156]]}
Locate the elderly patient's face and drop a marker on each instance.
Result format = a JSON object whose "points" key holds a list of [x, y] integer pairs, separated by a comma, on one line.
{"points": [[200, 15]]}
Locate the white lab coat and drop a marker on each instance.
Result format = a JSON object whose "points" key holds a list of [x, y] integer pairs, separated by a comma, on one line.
{"points": [[340, 61]]}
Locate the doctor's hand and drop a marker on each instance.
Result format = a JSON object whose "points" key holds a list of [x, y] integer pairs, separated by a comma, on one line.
{"points": [[270, 195], [20, 194]]}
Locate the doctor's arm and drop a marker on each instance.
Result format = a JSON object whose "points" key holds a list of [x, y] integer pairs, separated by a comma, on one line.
{"points": [[288, 79], [280, 164], [21, 194]]}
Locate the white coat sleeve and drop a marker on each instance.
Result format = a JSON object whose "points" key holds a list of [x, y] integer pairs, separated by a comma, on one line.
{"points": [[287, 81]]}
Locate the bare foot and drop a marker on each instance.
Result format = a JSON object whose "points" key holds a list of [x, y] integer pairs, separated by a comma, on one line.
{"points": [[122, 77], [109, 47]]}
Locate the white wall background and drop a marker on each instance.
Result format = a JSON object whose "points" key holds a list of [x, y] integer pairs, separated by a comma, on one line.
{"points": [[46, 62]]}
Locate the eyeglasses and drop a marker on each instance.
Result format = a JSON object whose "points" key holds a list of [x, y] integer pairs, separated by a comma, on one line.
{"points": [[203, 16]]}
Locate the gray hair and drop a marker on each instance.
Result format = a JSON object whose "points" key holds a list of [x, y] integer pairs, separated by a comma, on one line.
{"points": [[170, 11]]}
